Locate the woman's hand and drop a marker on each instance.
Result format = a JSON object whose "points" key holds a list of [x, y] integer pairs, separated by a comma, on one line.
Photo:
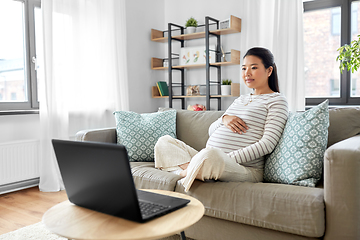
{"points": [[235, 124]]}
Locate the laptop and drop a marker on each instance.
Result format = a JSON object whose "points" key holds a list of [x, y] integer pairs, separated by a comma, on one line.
{"points": [[98, 176]]}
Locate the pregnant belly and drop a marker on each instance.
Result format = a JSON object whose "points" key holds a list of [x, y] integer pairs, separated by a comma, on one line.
{"points": [[229, 141]]}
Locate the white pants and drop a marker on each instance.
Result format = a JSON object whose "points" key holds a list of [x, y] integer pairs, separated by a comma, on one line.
{"points": [[230, 172]]}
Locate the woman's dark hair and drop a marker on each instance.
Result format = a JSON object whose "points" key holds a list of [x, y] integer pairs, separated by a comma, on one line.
{"points": [[267, 59]]}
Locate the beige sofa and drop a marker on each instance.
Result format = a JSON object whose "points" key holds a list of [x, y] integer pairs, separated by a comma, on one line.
{"points": [[249, 211]]}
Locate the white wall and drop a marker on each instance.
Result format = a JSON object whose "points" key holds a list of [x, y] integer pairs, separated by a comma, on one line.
{"points": [[141, 16]]}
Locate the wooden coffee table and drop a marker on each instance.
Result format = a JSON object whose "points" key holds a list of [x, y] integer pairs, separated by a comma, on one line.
{"points": [[74, 222]]}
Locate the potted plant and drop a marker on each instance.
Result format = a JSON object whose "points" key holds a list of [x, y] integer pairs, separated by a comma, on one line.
{"points": [[226, 87], [349, 56], [191, 25]]}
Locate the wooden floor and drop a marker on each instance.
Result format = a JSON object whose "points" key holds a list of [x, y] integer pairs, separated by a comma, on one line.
{"points": [[26, 207]]}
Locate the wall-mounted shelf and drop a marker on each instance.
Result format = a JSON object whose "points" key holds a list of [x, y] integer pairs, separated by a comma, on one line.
{"points": [[235, 92], [235, 27], [157, 63]]}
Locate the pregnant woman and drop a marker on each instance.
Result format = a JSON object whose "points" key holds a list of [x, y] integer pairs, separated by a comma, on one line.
{"points": [[239, 140]]}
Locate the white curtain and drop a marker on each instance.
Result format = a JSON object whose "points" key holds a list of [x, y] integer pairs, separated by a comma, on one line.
{"points": [[85, 73], [278, 26]]}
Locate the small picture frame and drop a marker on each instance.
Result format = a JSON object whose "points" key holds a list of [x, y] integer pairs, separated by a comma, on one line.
{"points": [[224, 24], [196, 55]]}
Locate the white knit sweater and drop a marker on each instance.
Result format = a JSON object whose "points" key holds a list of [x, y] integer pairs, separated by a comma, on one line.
{"points": [[265, 115]]}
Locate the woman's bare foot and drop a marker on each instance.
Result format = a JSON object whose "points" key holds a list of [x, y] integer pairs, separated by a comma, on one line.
{"points": [[183, 173], [184, 166]]}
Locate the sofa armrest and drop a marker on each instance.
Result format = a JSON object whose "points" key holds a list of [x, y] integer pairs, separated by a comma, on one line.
{"points": [[342, 189], [107, 135]]}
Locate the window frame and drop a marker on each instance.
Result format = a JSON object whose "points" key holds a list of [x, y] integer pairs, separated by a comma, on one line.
{"points": [[345, 38], [32, 104]]}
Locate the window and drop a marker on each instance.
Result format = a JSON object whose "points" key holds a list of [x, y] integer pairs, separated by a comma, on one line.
{"points": [[329, 24], [354, 18], [320, 54], [334, 87], [335, 23], [355, 77], [18, 78], [354, 90]]}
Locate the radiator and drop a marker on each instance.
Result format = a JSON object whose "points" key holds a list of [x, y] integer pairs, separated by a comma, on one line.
{"points": [[19, 161]]}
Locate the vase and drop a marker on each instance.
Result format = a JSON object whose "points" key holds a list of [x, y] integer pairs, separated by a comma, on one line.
{"points": [[225, 89], [190, 30]]}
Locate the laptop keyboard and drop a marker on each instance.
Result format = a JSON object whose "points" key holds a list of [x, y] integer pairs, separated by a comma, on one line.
{"points": [[148, 209]]}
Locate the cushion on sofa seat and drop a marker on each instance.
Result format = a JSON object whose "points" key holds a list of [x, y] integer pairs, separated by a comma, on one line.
{"points": [[192, 126], [146, 176], [293, 209], [140, 132], [298, 157]]}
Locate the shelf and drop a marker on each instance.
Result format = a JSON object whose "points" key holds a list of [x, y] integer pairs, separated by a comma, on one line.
{"points": [[232, 59], [235, 92], [235, 27], [156, 63], [157, 36], [155, 93]]}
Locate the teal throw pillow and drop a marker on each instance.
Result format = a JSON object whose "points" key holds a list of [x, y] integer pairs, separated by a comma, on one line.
{"points": [[298, 157], [140, 132]]}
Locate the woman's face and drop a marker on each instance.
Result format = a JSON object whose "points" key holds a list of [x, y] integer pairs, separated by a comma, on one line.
{"points": [[255, 74]]}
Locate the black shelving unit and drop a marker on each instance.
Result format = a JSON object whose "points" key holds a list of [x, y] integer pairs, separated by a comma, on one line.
{"points": [[170, 69], [176, 33], [208, 66], [208, 34]]}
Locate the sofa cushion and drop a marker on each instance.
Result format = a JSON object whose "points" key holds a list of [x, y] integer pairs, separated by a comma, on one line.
{"points": [[192, 126], [293, 209], [146, 176], [344, 123], [140, 132], [298, 157]]}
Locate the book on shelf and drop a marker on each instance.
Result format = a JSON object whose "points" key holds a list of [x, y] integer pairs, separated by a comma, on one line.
{"points": [[158, 87], [163, 88]]}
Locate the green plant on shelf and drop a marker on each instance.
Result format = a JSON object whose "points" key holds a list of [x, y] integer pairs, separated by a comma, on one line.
{"points": [[191, 22], [226, 82]]}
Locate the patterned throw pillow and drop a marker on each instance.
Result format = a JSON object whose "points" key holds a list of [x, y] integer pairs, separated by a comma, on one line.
{"points": [[298, 157], [140, 132]]}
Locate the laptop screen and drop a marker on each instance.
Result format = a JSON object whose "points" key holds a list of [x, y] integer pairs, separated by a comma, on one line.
{"points": [[98, 176]]}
